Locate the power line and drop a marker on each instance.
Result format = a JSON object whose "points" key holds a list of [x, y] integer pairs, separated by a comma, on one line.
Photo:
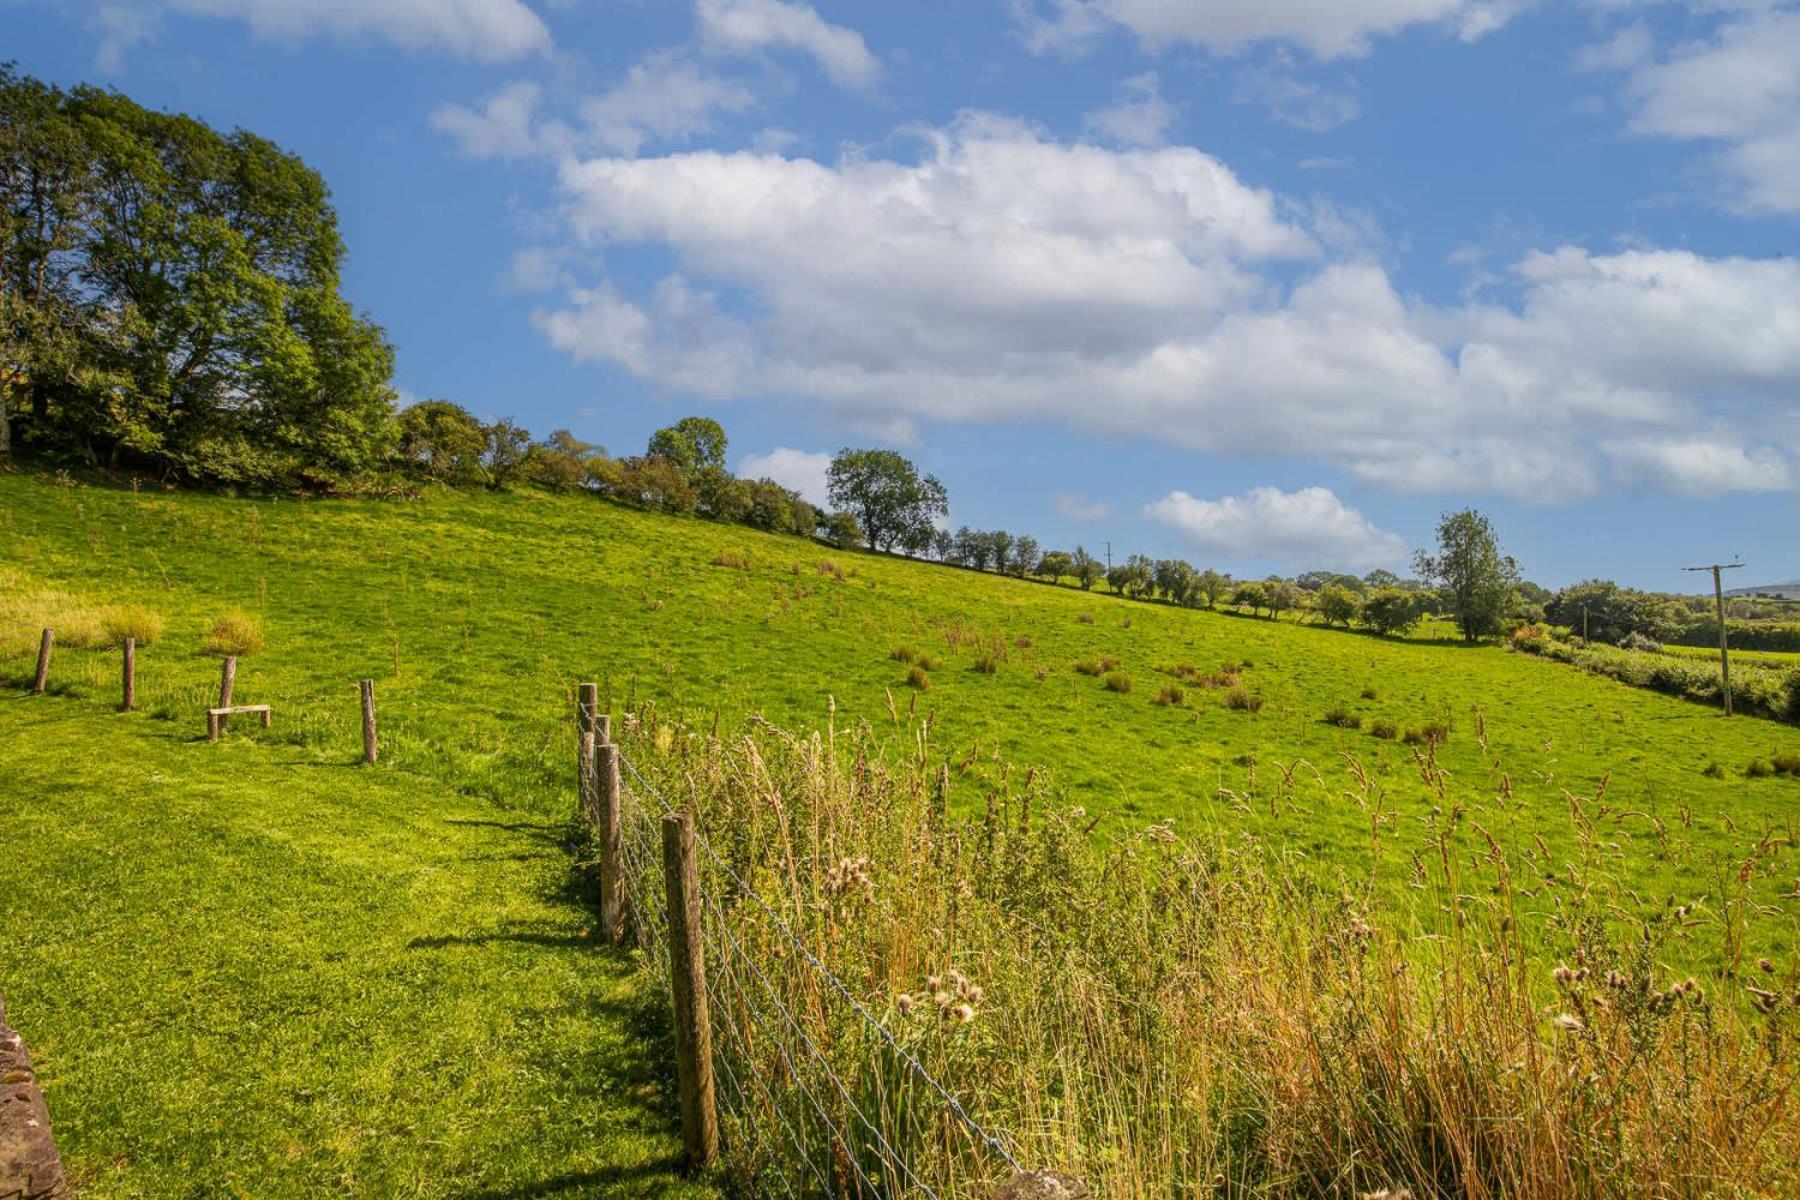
{"points": [[1719, 601]]}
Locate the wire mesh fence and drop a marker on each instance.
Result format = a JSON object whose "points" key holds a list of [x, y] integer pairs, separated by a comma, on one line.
{"points": [[819, 1095]]}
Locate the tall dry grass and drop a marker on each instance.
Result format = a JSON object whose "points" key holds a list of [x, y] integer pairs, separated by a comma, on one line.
{"points": [[1169, 1014]]}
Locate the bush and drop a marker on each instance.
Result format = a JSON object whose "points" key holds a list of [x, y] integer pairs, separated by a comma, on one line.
{"points": [[917, 678], [1342, 717], [1171, 696], [1242, 699], [1117, 682], [144, 625], [1637, 641], [1384, 728], [234, 634], [1530, 639]]}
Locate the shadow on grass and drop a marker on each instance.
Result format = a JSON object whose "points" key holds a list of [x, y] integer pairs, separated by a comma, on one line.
{"points": [[522, 937], [579, 1180]]}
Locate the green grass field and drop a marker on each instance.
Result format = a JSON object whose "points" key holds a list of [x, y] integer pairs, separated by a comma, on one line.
{"points": [[321, 978]]}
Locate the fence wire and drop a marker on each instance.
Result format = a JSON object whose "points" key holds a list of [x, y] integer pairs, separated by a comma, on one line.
{"points": [[811, 1108]]}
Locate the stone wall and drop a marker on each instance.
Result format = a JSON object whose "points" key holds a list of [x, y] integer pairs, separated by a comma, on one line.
{"points": [[30, 1168]]}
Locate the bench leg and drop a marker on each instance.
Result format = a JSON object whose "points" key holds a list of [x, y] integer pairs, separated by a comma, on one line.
{"points": [[265, 718], [212, 728]]}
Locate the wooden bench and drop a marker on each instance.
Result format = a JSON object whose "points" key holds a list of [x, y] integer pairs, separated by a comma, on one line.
{"points": [[215, 718]]}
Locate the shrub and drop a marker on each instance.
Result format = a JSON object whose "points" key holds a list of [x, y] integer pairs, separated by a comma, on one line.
{"points": [[135, 621], [1384, 728], [1530, 639], [234, 633], [1171, 695], [917, 678], [902, 654], [1433, 734], [1342, 717], [1637, 641], [1117, 682], [734, 559], [1242, 699]]}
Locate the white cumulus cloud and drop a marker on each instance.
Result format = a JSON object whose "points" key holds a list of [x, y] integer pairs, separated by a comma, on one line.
{"points": [[487, 30], [1700, 466], [1004, 277], [746, 26], [797, 470], [1140, 117], [1310, 526]]}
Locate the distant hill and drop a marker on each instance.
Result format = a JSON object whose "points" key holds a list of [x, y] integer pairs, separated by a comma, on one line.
{"points": [[1781, 591]]}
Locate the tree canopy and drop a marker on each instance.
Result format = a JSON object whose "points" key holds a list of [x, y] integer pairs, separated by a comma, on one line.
{"points": [[1475, 579], [894, 505]]}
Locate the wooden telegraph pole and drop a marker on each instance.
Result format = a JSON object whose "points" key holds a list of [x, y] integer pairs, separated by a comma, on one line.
{"points": [[1719, 600]]}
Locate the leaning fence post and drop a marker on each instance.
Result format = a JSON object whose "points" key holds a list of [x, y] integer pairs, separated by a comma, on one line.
{"points": [[1041, 1185], [227, 684], [43, 671], [371, 750], [128, 680], [687, 971], [613, 896]]}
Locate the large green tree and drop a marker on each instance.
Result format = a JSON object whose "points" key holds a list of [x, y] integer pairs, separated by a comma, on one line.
{"points": [[694, 444], [172, 298], [1475, 579], [892, 502]]}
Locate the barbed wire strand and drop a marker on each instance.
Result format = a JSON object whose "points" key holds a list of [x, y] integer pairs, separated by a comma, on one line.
{"points": [[837, 984]]}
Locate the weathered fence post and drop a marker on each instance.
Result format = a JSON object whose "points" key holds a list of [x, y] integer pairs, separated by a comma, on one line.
{"points": [[587, 708], [30, 1168], [227, 684], [687, 971], [586, 784], [128, 681], [1041, 1185], [43, 671], [371, 750], [613, 895]]}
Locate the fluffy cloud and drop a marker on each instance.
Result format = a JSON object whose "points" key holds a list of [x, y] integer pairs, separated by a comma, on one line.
{"points": [[797, 470], [1310, 526], [746, 26], [1700, 466], [1739, 89], [664, 97], [1004, 277], [1140, 117], [488, 30], [1340, 28]]}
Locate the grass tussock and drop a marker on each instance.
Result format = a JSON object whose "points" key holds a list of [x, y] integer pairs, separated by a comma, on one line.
{"points": [[1117, 681], [1342, 717], [135, 621], [903, 654], [1432, 733], [1384, 729], [1241, 699], [1223, 1012], [917, 679], [234, 633], [1171, 695], [987, 663], [736, 560]]}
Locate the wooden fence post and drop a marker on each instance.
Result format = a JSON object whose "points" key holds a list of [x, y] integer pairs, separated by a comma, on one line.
{"points": [[128, 682], [586, 784], [687, 970], [43, 671], [371, 750], [1041, 1185], [227, 685], [613, 894], [587, 707]]}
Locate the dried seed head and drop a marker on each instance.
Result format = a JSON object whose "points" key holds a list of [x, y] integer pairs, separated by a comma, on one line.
{"points": [[1569, 1022], [905, 1004], [1564, 977]]}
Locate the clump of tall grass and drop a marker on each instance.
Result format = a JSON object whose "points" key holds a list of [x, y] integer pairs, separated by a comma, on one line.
{"points": [[987, 663], [736, 560], [903, 654], [1432, 733], [1208, 1008], [234, 633], [917, 678], [1342, 717], [1171, 695], [1383, 728], [1116, 681], [1241, 699], [135, 621]]}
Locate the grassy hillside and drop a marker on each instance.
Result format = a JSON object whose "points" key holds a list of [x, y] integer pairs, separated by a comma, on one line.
{"points": [[469, 610], [353, 966]]}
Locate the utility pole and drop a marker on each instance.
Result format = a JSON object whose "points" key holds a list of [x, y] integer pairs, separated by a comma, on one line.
{"points": [[1584, 636], [1719, 600], [1109, 558]]}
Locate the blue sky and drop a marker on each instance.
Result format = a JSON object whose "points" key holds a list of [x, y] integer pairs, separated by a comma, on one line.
{"points": [[1264, 283]]}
